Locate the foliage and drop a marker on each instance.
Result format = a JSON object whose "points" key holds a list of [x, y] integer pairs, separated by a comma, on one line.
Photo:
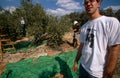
{"points": [[75, 16], [83, 17], [56, 29], [7, 23], [44, 24], [118, 14], [109, 12], [39, 24]]}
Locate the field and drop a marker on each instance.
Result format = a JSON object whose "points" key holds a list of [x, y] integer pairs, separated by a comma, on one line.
{"points": [[43, 62]]}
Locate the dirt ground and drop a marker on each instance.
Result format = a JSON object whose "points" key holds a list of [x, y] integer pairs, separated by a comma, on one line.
{"points": [[43, 51]]}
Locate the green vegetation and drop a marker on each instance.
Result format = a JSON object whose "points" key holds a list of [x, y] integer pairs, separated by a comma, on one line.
{"points": [[41, 25]]}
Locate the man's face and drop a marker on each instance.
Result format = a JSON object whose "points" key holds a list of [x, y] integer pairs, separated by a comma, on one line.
{"points": [[91, 6]]}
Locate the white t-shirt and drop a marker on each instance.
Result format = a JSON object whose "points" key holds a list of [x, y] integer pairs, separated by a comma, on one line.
{"points": [[97, 35], [22, 21]]}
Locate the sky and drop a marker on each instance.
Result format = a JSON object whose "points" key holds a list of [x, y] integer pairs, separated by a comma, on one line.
{"points": [[60, 7]]}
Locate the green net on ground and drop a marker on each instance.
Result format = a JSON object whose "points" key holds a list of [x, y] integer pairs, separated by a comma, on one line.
{"points": [[43, 67], [23, 46]]}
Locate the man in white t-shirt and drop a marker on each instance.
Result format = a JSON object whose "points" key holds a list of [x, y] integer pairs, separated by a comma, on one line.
{"points": [[23, 29], [99, 44]]}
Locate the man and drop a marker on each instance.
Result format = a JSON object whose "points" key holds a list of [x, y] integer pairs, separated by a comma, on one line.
{"points": [[76, 32], [23, 27], [100, 43]]}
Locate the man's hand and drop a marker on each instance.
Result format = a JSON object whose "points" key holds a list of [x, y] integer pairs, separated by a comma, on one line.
{"points": [[107, 74]]}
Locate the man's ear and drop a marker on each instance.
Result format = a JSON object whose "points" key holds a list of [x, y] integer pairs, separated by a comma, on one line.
{"points": [[99, 4]]}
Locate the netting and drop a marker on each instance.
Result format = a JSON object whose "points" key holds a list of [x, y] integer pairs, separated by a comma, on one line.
{"points": [[43, 67]]}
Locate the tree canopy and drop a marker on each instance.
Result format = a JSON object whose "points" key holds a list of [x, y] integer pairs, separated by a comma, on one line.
{"points": [[39, 24]]}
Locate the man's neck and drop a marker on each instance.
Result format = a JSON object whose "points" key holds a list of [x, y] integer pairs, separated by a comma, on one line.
{"points": [[94, 15]]}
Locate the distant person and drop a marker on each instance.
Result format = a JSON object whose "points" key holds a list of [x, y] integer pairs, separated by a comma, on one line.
{"points": [[76, 33], [99, 43], [23, 27]]}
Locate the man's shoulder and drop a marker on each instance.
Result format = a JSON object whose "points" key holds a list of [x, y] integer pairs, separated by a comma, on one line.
{"points": [[110, 18]]}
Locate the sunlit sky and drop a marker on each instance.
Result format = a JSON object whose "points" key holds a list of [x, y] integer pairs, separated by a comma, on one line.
{"points": [[60, 7]]}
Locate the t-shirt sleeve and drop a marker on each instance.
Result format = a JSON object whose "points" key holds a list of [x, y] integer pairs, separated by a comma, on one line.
{"points": [[114, 35]]}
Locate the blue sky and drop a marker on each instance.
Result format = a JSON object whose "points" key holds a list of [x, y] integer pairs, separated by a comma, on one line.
{"points": [[60, 7]]}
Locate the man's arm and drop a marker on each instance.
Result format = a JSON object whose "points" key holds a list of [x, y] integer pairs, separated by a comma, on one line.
{"points": [[111, 61], [78, 57]]}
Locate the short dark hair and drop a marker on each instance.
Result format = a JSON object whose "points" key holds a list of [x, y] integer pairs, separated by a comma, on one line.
{"points": [[99, 0]]}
